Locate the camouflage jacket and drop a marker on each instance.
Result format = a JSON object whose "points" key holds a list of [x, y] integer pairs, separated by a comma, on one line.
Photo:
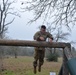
{"points": [[45, 35]]}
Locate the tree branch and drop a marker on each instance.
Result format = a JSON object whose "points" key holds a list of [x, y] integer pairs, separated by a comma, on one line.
{"points": [[10, 22]]}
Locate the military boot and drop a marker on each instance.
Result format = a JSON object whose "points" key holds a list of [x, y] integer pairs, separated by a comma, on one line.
{"points": [[39, 68], [35, 70], [35, 65]]}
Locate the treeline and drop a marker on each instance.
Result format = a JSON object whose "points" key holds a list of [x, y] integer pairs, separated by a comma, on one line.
{"points": [[28, 51], [16, 51]]}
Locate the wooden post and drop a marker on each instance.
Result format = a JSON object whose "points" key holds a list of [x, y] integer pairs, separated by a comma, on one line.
{"points": [[65, 70], [66, 56]]}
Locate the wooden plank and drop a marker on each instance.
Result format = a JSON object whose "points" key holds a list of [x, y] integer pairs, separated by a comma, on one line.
{"points": [[33, 43]]}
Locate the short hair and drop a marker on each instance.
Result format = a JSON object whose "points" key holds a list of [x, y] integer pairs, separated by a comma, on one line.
{"points": [[43, 26]]}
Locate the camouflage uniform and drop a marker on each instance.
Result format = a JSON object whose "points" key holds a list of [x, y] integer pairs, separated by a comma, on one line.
{"points": [[40, 52]]}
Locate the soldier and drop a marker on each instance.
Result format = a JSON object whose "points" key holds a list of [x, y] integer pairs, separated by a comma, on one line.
{"points": [[39, 54]]}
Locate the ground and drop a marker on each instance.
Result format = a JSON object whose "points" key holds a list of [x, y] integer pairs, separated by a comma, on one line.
{"points": [[23, 65]]}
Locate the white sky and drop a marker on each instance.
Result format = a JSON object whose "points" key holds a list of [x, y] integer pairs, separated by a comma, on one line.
{"points": [[19, 30]]}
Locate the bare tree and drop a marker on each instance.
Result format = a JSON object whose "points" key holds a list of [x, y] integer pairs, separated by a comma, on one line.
{"points": [[58, 35], [6, 10], [15, 50], [58, 12]]}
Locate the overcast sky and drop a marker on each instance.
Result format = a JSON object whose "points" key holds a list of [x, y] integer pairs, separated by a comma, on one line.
{"points": [[20, 30]]}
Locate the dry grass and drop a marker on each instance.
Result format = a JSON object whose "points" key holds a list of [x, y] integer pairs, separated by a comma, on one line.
{"points": [[24, 66]]}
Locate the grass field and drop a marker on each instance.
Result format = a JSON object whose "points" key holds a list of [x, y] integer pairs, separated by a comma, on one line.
{"points": [[23, 66]]}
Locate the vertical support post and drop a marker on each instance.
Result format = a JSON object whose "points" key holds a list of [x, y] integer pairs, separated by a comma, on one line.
{"points": [[65, 70], [66, 56]]}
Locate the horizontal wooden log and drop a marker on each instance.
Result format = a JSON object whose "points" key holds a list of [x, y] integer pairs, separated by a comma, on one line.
{"points": [[33, 43]]}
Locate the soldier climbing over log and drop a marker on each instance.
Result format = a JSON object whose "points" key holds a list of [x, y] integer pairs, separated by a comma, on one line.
{"points": [[39, 53]]}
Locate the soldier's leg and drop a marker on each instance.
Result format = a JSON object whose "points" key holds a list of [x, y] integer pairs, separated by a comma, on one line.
{"points": [[35, 60], [41, 59]]}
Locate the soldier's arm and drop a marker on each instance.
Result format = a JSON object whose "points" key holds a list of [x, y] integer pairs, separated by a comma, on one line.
{"points": [[36, 36], [49, 36]]}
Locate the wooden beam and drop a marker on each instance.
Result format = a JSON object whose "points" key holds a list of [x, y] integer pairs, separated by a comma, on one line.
{"points": [[33, 43]]}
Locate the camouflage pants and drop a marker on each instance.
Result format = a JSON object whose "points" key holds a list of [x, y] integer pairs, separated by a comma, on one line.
{"points": [[39, 56]]}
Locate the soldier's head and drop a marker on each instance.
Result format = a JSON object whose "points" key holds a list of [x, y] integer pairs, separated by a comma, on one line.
{"points": [[43, 28]]}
